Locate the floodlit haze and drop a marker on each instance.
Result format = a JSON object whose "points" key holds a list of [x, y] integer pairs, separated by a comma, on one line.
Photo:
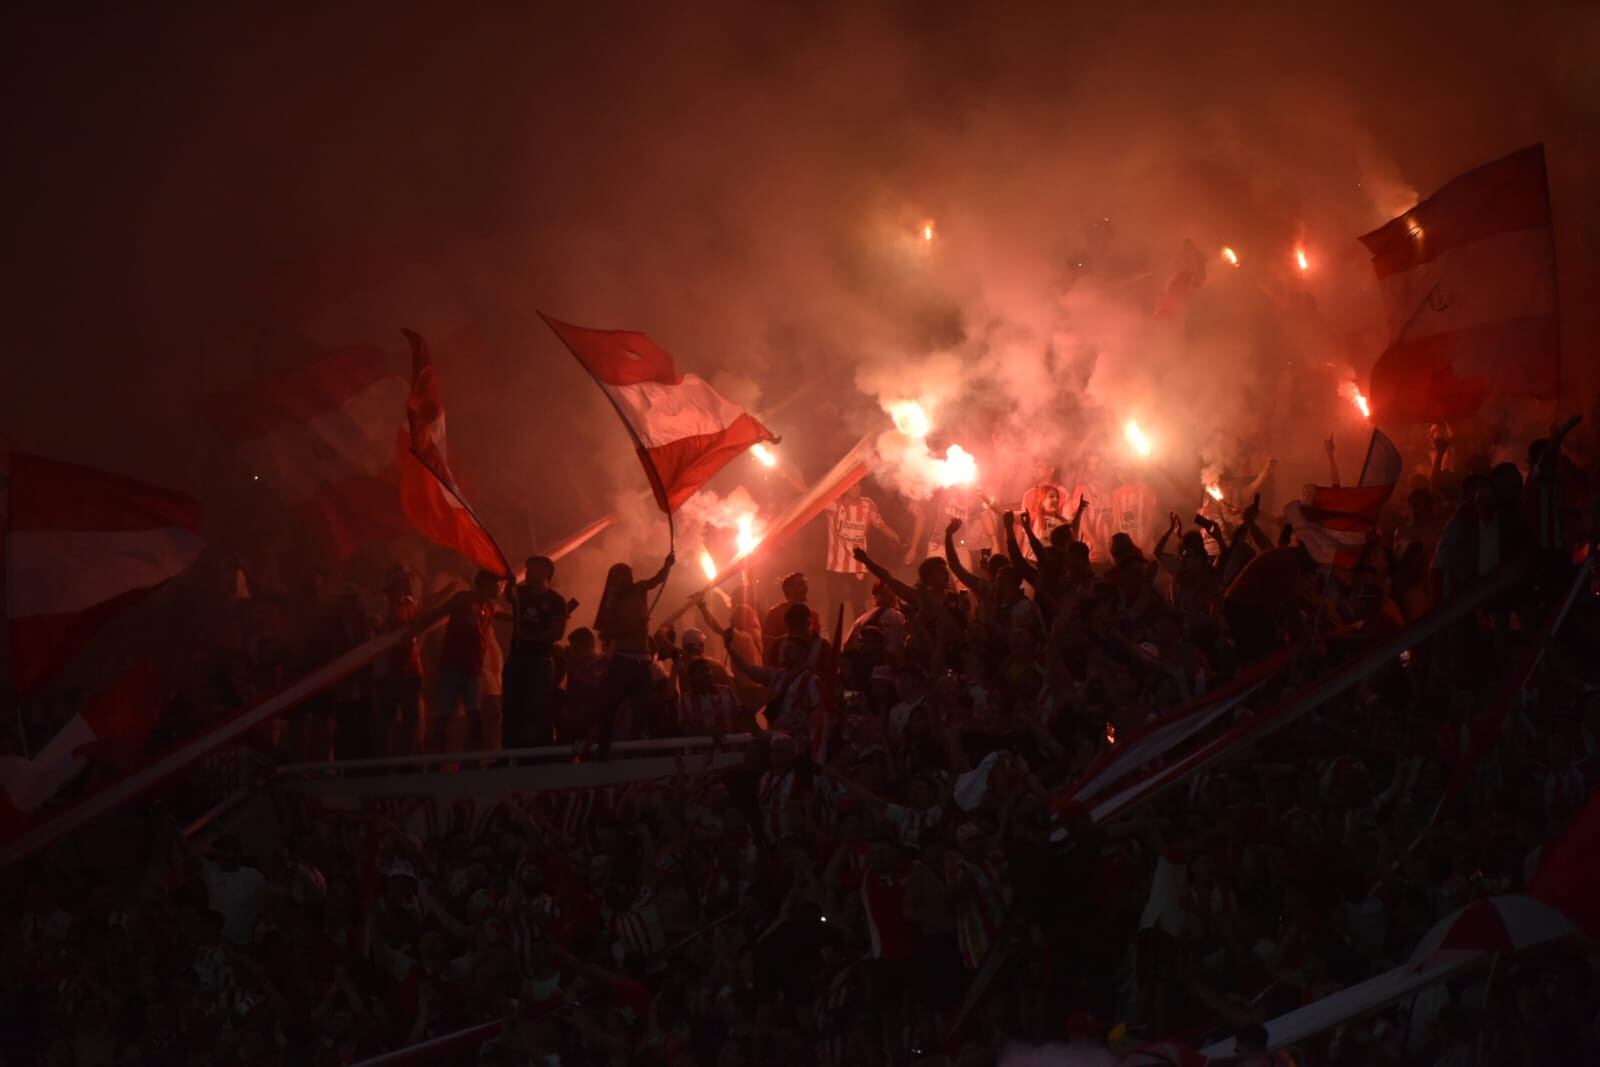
{"points": [[975, 205]]}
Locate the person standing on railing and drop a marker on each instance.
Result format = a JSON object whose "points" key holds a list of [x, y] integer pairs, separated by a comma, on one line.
{"points": [[461, 657], [539, 621], [623, 623]]}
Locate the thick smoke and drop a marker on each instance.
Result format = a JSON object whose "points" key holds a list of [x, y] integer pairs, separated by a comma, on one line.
{"points": [[750, 185]]}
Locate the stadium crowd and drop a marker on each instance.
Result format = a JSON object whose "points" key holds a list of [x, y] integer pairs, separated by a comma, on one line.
{"points": [[835, 894]]}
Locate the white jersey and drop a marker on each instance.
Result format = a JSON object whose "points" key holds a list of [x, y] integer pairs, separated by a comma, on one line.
{"points": [[847, 531]]}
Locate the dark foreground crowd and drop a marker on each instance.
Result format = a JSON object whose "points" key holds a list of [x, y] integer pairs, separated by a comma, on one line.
{"points": [[834, 894]]}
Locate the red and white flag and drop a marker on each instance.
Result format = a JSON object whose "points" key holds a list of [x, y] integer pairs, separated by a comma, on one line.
{"points": [[684, 429], [321, 435], [113, 727], [1469, 291], [82, 545], [428, 491], [1340, 521]]}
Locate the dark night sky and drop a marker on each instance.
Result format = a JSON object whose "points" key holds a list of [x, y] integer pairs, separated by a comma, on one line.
{"points": [[733, 178]]}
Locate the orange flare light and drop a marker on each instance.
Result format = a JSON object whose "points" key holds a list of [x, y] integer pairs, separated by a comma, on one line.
{"points": [[1214, 492], [708, 565], [910, 418], [958, 467], [746, 540], [1300, 259], [927, 231], [1229, 256], [1111, 734], [1136, 438], [1352, 392], [763, 455]]}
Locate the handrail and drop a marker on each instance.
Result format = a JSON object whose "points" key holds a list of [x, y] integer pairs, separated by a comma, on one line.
{"points": [[545, 752]]}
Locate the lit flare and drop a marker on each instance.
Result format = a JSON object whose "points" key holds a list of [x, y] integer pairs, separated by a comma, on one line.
{"points": [[1300, 259], [746, 539], [958, 467], [764, 455], [1229, 256], [910, 418], [708, 565], [1352, 392], [1214, 492], [927, 231], [1137, 440]]}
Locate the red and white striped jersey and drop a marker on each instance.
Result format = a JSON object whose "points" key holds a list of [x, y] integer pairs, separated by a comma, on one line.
{"points": [[794, 698], [782, 803], [848, 523], [638, 929], [1134, 510], [946, 504], [700, 713], [883, 900]]}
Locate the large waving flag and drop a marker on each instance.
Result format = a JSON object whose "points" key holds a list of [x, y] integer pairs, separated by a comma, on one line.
{"points": [[428, 491], [1341, 520], [113, 727], [322, 437], [1469, 291], [82, 545], [685, 430]]}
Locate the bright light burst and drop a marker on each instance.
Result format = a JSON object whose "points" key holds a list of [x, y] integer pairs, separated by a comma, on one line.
{"points": [[1300, 259], [927, 230], [1230, 256], [910, 418], [763, 455], [1137, 440], [746, 539], [957, 468], [1214, 492], [1352, 392], [708, 565]]}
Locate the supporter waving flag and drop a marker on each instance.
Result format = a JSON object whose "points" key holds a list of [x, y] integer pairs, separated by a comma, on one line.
{"points": [[432, 500], [83, 545], [1339, 521], [685, 430]]}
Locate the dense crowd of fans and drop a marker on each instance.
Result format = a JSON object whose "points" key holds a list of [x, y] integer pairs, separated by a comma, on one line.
{"points": [[834, 895]]}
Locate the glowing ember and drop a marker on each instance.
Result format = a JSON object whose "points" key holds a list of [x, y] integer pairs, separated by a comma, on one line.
{"points": [[1230, 256], [1111, 734], [958, 467], [1352, 392], [1300, 259], [1214, 492], [910, 418], [1136, 438], [746, 540], [708, 565], [764, 455], [927, 231]]}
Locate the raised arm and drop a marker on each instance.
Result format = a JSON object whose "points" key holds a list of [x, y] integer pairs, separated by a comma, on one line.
{"points": [[1077, 519], [952, 557], [1014, 550], [877, 570], [660, 576], [1037, 545], [1174, 525], [705, 613], [1261, 479], [759, 675], [1552, 448], [1333, 461]]}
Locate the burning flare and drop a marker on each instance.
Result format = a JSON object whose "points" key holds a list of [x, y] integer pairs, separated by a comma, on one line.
{"points": [[910, 418], [1230, 256], [746, 539], [1352, 392], [763, 455], [1300, 259], [1111, 734], [1214, 491], [927, 230], [957, 468], [708, 565], [1136, 438]]}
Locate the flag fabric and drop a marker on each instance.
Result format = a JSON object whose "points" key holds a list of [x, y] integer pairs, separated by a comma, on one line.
{"points": [[321, 436], [113, 727], [1469, 294], [83, 545], [1569, 869], [685, 430], [1340, 521], [429, 494]]}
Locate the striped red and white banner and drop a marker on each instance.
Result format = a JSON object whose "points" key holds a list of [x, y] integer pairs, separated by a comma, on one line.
{"points": [[1469, 291], [83, 545], [686, 431], [322, 436]]}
